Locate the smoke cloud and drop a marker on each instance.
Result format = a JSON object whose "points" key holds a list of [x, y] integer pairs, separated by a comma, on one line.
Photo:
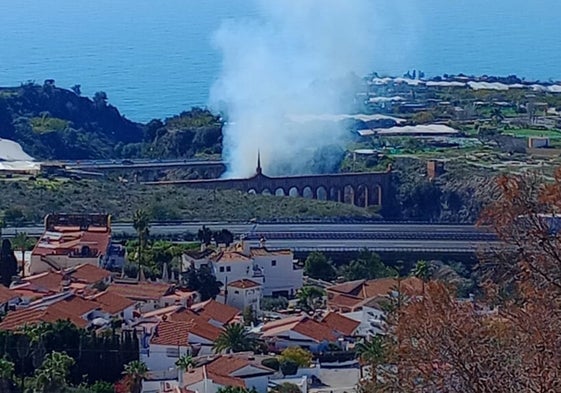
{"points": [[298, 59]]}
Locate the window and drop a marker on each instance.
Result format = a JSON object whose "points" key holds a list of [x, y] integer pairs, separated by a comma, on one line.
{"points": [[228, 268], [274, 262], [172, 352], [237, 292], [221, 269]]}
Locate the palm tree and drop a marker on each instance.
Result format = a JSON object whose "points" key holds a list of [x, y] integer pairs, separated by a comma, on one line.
{"points": [[372, 352], [422, 271], [234, 338], [22, 242], [141, 224], [136, 371], [309, 297], [51, 376], [7, 369], [185, 363]]}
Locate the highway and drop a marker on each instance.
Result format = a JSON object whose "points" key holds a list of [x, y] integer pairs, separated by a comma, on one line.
{"points": [[174, 228], [328, 236]]}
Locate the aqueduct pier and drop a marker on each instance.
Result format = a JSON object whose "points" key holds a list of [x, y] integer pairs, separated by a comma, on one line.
{"points": [[359, 189]]}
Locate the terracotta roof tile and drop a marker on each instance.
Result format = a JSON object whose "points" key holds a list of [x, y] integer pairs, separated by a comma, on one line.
{"points": [[340, 323], [244, 284], [112, 303], [64, 240], [171, 333], [6, 294], [51, 281], [211, 309], [379, 287], [228, 364], [19, 318], [226, 380], [341, 301], [301, 324], [199, 325], [315, 330], [89, 274], [229, 256], [74, 305], [141, 291], [348, 288]]}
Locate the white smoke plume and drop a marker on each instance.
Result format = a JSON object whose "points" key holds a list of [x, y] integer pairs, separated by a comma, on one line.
{"points": [[297, 58]]}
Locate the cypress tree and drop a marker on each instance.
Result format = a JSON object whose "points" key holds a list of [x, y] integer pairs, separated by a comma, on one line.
{"points": [[8, 263]]}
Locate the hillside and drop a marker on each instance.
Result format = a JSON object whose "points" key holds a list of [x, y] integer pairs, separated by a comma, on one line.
{"points": [[30, 201], [54, 123]]}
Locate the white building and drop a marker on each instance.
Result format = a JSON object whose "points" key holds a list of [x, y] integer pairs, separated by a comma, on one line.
{"points": [[237, 370], [242, 294], [282, 276], [71, 240], [276, 270]]}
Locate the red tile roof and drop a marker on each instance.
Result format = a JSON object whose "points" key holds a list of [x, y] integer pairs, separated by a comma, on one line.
{"points": [[199, 325], [300, 324], [228, 364], [340, 323], [229, 256], [348, 288], [141, 290], [19, 318], [66, 240], [6, 294], [244, 284], [211, 309], [89, 274], [74, 305], [314, 330], [50, 281], [171, 333], [199, 374], [342, 301], [353, 293], [112, 303]]}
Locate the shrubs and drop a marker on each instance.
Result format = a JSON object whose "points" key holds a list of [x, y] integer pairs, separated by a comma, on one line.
{"points": [[272, 363], [298, 355], [288, 367]]}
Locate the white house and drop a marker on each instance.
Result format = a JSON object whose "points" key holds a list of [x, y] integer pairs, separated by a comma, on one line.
{"points": [[308, 333], [181, 331], [282, 276], [242, 294], [167, 342], [238, 370], [371, 321], [276, 270], [152, 296], [70, 240]]}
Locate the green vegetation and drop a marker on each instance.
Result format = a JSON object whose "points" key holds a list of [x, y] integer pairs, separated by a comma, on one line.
{"points": [[300, 356], [54, 123], [59, 357], [32, 200], [46, 124], [234, 338]]}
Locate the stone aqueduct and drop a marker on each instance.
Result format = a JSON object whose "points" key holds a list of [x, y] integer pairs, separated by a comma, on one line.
{"points": [[359, 189]]}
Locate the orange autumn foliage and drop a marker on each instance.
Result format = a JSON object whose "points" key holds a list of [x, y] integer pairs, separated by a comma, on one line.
{"points": [[509, 340]]}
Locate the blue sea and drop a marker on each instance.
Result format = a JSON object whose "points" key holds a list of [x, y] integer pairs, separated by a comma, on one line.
{"points": [[155, 58]]}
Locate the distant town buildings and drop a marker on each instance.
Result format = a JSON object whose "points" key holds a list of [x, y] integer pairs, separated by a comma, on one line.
{"points": [[70, 240], [275, 271]]}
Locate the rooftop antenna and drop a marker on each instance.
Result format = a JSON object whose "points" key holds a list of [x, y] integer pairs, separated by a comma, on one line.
{"points": [[259, 170]]}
